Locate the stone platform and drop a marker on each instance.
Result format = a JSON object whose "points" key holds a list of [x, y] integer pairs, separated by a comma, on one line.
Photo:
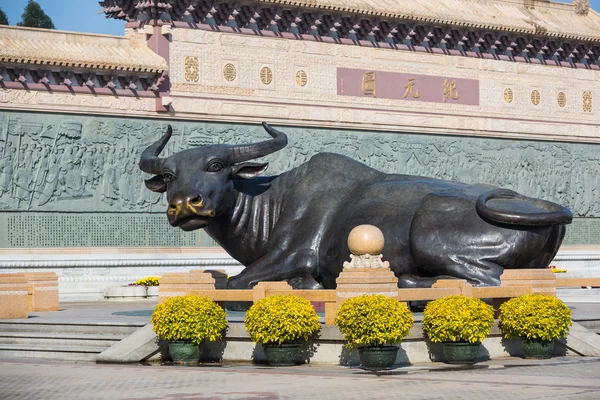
{"points": [[239, 347]]}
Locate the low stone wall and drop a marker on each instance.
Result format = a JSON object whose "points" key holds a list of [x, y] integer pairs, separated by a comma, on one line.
{"points": [[329, 348], [13, 296], [85, 273]]}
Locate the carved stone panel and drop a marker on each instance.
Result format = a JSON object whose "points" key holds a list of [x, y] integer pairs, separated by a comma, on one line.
{"points": [[54, 167]]}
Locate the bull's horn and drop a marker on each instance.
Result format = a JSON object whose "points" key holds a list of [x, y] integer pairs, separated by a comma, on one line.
{"points": [[240, 153], [149, 161]]}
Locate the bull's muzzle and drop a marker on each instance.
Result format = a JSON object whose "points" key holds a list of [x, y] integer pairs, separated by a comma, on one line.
{"points": [[189, 212]]}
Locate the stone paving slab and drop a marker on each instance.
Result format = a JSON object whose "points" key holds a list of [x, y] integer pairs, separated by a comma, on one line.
{"points": [[553, 379]]}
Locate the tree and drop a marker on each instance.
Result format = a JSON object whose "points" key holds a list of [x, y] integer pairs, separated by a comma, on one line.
{"points": [[35, 17], [3, 18]]}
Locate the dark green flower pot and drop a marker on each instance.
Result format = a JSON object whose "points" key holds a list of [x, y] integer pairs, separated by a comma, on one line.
{"points": [[461, 352], [537, 349], [282, 355], [377, 357], [185, 353]]}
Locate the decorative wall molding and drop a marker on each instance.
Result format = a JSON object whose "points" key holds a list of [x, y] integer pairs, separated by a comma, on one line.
{"points": [[191, 263], [577, 257]]}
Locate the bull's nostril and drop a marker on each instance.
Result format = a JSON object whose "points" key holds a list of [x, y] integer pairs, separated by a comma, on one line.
{"points": [[172, 207], [197, 201]]}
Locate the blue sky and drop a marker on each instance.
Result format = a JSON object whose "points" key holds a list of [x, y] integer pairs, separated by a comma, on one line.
{"points": [[81, 15], [68, 15]]}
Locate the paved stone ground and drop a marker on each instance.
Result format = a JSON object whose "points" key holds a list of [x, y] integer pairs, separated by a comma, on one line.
{"points": [[42, 380], [140, 311]]}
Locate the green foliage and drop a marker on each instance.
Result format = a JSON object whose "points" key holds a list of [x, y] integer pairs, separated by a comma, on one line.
{"points": [[35, 17], [457, 319], [148, 281], [373, 320], [189, 318], [3, 18], [278, 319], [535, 316]]}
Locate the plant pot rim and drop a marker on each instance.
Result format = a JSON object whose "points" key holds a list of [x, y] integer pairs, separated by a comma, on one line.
{"points": [[463, 342], [284, 344]]}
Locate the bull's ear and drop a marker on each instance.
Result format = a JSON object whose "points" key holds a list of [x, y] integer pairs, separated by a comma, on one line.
{"points": [[156, 184], [248, 170]]}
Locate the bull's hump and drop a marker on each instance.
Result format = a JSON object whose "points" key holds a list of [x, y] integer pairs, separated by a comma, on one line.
{"points": [[339, 166]]}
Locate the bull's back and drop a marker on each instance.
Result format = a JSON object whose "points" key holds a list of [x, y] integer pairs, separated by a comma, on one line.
{"points": [[389, 202]]}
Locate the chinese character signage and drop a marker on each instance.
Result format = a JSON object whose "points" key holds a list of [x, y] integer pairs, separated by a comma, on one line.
{"points": [[413, 87]]}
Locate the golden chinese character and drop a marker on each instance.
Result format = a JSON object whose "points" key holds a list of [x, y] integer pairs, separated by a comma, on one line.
{"points": [[191, 69], [450, 90], [229, 72], [409, 89], [266, 75], [369, 84], [587, 101], [536, 98], [301, 78]]}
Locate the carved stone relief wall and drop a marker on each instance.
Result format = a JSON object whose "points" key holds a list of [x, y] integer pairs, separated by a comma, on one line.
{"points": [[69, 180]]}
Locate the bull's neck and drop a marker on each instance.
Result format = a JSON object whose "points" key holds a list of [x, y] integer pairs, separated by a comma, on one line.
{"points": [[245, 229]]}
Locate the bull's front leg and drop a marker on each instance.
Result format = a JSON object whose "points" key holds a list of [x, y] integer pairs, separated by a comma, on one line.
{"points": [[297, 267]]}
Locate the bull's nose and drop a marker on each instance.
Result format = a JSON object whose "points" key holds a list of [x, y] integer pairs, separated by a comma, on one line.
{"points": [[179, 202]]}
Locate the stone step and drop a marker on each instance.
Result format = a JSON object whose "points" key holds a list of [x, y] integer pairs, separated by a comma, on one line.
{"points": [[591, 324], [64, 339], [59, 340], [114, 328], [53, 352]]}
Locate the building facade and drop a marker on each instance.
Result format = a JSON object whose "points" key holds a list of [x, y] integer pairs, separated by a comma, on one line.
{"points": [[497, 92]]}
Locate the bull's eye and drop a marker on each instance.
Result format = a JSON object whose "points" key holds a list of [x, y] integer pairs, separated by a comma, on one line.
{"points": [[168, 177], [214, 166]]}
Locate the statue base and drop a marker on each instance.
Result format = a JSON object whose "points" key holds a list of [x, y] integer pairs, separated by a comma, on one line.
{"points": [[353, 282]]}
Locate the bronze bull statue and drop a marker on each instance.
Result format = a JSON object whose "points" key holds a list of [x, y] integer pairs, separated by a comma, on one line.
{"points": [[294, 226]]}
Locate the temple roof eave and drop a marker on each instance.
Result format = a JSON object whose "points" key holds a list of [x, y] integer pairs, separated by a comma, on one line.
{"points": [[47, 48], [544, 18]]}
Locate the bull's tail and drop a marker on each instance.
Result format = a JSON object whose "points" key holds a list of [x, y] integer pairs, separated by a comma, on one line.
{"points": [[508, 207]]}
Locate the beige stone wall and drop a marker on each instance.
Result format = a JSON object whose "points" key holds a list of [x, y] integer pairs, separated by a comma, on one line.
{"points": [[205, 91], [202, 92]]}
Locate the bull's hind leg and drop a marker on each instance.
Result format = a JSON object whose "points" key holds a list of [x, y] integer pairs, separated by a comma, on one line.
{"points": [[478, 273], [550, 249]]}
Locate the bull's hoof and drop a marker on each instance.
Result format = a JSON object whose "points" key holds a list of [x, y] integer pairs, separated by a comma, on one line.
{"points": [[304, 283]]}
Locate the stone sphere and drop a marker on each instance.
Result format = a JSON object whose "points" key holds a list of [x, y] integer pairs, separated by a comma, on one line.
{"points": [[366, 239]]}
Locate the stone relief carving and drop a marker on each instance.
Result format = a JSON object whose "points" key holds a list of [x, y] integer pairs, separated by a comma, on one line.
{"points": [[66, 163]]}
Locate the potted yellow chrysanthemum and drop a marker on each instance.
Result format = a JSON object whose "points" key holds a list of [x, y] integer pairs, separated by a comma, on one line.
{"points": [[281, 324], [186, 322], [374, 324], [460, 323], [537, 319]]}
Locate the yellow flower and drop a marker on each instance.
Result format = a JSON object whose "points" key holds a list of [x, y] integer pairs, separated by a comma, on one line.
{"points": [[457, 318], [149, 281], [189, 318], [373, 320], [535, 316], [278, 319]]}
